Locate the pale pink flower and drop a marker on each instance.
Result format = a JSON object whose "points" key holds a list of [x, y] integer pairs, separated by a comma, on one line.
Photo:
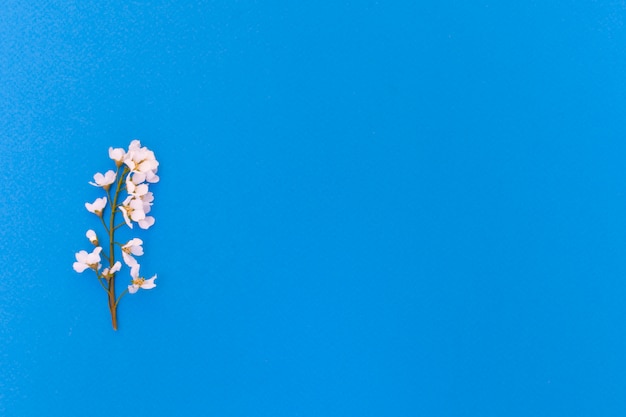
{"points": [[140, 282], [118, 155], [97, 206], [133, 210], [86, 260], [133, 247], [105, 180]]}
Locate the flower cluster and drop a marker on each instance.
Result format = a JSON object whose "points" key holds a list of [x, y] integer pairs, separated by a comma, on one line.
{"points": [[136, 169]]}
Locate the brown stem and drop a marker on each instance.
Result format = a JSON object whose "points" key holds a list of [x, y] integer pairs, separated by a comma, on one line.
{"points": [[111, 230], [112, 305]]}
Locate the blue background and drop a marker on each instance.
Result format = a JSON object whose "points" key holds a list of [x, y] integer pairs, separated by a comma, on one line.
{"points": [[366, 208]]}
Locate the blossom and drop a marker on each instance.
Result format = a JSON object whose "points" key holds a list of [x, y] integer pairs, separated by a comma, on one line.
{"points": [[105, 180], [143, 167], [108, 274], [91, 235], [133, 247], [97, 206], [132, 209], [130, 184], [86, 260], [141, 159], [135, 185], [118, 155], [147, 221], [140, 282]]}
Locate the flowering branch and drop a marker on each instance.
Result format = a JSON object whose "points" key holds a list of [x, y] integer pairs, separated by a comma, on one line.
{"points": [[138, 168]]}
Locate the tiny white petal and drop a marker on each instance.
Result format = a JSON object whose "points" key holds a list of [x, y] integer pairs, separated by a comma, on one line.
{"points": [[138, 215], [129, 260], [79, 266], [129, 163], [136, 204], [134, 271], [141, 189], [151, 177], [82, 256], [126, 218], [147, 165], [148, 197], [135, 145], [138, 177], [146, 222], [149, 283], [116, 267]]}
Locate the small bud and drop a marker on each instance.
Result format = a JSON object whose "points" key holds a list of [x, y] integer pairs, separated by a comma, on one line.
{"points": [[118, 155], [93, 238]]}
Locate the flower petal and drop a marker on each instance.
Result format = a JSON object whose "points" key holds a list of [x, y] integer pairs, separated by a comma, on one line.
{"points": [[137, 215], [126, 218], [138, 177], [134, 271], [152, 177], [116, 267], [82, 256], [146, 222], [149, 283], [129, 260], [79, 266]]}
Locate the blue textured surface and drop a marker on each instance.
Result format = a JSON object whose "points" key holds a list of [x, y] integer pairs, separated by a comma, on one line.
{"points": [[366, 208]]}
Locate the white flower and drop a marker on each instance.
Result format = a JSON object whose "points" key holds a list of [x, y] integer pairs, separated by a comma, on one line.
{"points": [[86, 260], [108, 274], [91, 235], [140, 282], [135, 184], [97, 206], [136, 190], [133, 247], [132, 209], [105, 180], [141, 159], [118, 155], [125, 211]]}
